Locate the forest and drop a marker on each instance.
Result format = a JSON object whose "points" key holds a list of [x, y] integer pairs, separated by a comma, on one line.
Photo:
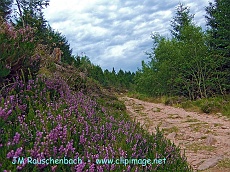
{"points": [[192, 63], [41, 95]]}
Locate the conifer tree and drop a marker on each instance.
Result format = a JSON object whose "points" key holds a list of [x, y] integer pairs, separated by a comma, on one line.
{"points": [[183, 18], [218, 20], [30, 9], [5, 8]]}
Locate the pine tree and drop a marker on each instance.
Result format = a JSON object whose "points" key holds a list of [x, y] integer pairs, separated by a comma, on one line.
{"points": [[31, 9], [183, 18], [5, 8], [218, 20]]}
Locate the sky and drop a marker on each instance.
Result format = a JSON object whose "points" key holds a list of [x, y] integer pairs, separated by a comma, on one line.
{"points": [[116, 33]]}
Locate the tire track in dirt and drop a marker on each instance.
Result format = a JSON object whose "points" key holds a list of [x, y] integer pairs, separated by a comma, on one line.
{"points": [[204, 137]]}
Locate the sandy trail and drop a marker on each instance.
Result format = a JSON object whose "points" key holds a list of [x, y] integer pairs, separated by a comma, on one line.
{"points": [[204, 137]]}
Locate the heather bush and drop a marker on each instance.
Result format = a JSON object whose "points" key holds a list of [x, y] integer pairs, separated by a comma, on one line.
{"points": [[44, 118], [17, 51]]}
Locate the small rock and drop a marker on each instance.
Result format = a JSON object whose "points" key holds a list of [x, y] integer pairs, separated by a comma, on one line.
{"points": [[224, 127], [197, 135], [186, 137], [156, 109], [196, 162], [164, 124], [209, 163], [172, 135], [210, 140], [191, 139]]}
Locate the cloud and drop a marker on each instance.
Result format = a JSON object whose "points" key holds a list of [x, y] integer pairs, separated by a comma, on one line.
{"points": [[116, 33]]}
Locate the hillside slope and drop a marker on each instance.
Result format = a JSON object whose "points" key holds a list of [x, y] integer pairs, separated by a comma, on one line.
{"points": [[62, 114]]}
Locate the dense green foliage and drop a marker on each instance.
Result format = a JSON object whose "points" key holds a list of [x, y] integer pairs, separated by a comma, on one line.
{"points": [[30, 11], [184, 65], [218, 15], [54, 39], [119, 81], [182, 19], [218, 20], [17, 51], [20, 40], [5, 8]]}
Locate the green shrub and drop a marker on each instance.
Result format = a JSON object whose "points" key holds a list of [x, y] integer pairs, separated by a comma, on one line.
{"points": [[207, 107], [17, 51], [174, 100], [52, 67]]}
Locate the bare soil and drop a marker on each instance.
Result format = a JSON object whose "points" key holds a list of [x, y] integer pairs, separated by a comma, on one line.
{"points": [[201, 136]]}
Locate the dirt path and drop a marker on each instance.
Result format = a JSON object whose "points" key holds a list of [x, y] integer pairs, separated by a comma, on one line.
{"points": [[204, 137]]}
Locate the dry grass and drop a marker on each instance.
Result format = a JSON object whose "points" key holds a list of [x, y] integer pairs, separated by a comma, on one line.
{"points": [[192, 120], [174, 116], [198, 127], [170, 130], [199, 146]]}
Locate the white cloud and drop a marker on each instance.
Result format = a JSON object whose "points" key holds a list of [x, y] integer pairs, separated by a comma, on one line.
{"points": [[113, 32]]}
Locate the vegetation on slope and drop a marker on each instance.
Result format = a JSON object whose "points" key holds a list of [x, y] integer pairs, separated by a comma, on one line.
{"points": [[44, 118]]}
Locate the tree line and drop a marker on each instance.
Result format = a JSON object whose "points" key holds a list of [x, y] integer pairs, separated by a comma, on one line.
{"points": [[29, 14], [17, 17], [120, 81], [192, 63], [41, 41]]}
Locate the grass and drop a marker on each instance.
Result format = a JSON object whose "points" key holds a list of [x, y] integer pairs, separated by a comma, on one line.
{"points": [[216, 124], [199, 146], [222, 166], [147, 125], [219, 105], [224, 163], [212, 105], [192, 120], [211, 132], [203, 137], [170, 130], [174, 116], [156, 109], [138, 107], [144, 97], [197, 127]]}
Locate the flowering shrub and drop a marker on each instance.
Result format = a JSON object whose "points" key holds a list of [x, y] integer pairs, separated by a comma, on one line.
{"points": [[17, 50], [44, 118]]}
